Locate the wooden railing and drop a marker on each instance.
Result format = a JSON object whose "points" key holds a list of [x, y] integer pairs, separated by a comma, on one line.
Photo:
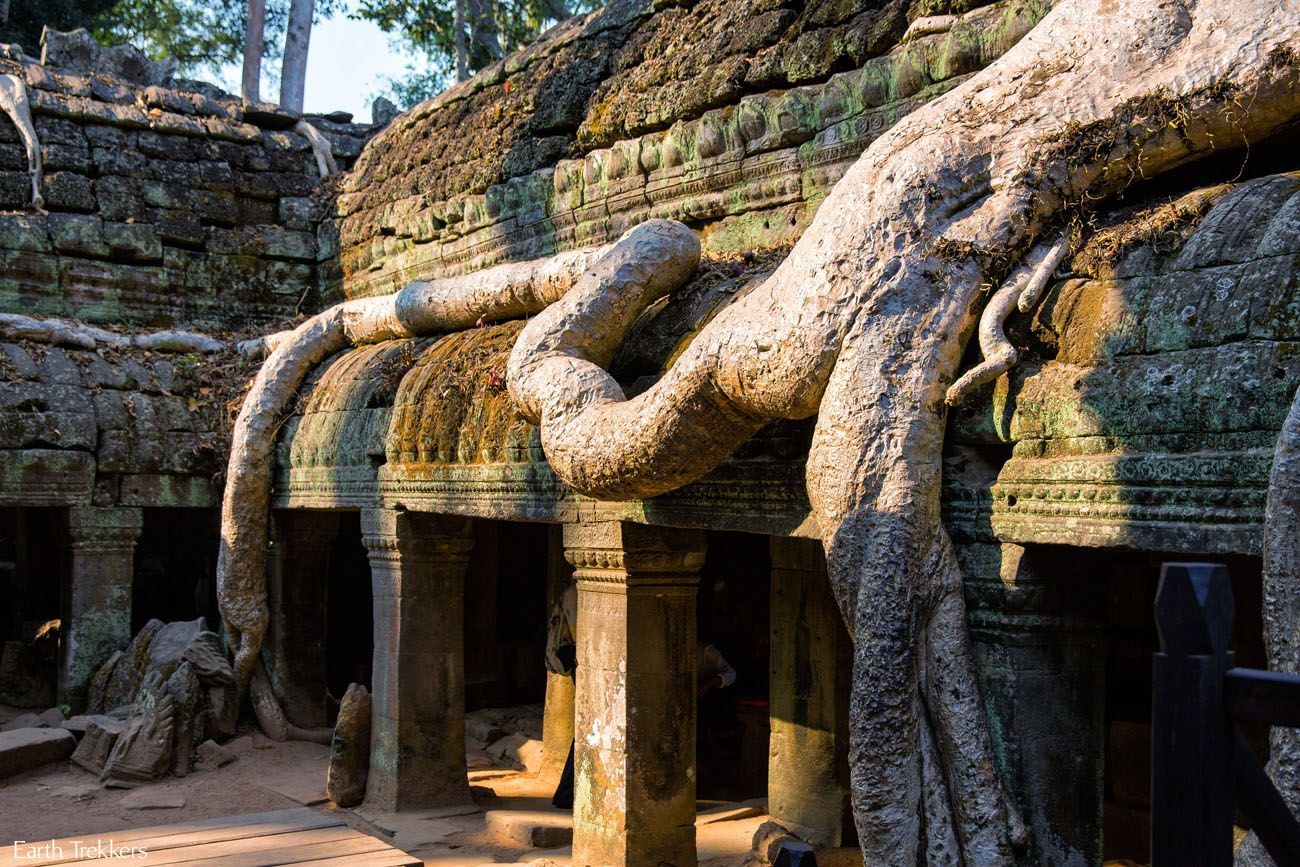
{"points": [[1201, 767]]}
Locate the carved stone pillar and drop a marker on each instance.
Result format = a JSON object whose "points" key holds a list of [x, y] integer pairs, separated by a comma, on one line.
{"points": [[97, 599], [635, 715], [1034, 626], [812, 666], [417, 739], [557, 718], [297, 590]]}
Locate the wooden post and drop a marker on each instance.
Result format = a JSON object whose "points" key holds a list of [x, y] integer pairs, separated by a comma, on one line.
{"points": [[1191, 732]]}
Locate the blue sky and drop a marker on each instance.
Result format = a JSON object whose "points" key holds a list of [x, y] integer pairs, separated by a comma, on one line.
{"points": [[346, 65]]}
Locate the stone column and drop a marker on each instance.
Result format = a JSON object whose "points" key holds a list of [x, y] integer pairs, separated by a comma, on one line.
{"points": [[97, 597], [297, 590], [417, 737], [811, 678], [557, 717], [1042, 672], [635, 714]]}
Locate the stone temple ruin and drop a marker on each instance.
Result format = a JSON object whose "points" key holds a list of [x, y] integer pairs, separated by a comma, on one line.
{"points": [[419, 538]]}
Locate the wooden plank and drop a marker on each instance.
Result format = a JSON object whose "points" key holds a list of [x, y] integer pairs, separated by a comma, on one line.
{"points": [[357, 845], [186, 833], [396, 858], [1271, 697], [202, 853]]}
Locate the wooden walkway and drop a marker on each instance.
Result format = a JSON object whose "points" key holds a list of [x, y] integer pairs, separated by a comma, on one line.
{"points": [[300, 836]]}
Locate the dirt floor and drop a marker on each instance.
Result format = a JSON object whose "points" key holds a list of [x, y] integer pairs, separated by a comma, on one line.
{"points": [[61, 800]]}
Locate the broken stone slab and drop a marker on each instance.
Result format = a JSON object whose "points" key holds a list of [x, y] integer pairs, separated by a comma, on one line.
{"points": [[482, 730], [153, 798], [78, 724], [410, 829], [187, 702], [53, 717], [77, 51], [28, 748], [538, 829], [519, 751], [24, 721], [97, 743], [123, 682], [350, 749], [732, 812], [143, 751], [213, 755]]}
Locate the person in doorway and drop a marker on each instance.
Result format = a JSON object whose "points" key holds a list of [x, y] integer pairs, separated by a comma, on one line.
{"points": [[712, 671], [562, 658]]}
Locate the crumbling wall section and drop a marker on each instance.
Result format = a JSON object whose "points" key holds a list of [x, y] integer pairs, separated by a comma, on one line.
{"points": [[168, 203]]}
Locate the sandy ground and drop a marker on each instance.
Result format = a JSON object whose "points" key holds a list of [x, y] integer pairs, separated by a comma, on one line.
{"points": [[61, 800]]}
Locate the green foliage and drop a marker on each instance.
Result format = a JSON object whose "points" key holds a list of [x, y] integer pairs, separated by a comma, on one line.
{"points": [[416, 85], [200, 34], [493, 28]]}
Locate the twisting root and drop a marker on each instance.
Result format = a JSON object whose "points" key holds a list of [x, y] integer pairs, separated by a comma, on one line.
{"points": [[1022, 290], [13, 101], [1281, 580], [320, 148], [64, 332], [423, 307], [862, 324]]}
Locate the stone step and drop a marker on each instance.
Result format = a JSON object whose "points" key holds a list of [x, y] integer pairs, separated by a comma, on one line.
{"points": [[540, 829], [24, 749]]}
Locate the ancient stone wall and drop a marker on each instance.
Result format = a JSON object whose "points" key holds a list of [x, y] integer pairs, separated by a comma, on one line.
{"points": [[168, 204], [732, 117]]}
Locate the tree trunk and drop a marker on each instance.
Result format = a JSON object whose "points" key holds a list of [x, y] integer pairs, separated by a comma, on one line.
{"points": [[865, 323], [484, 35], [1281, 581], [462, 41], [293, 73], [254, 37], [505, 292]]}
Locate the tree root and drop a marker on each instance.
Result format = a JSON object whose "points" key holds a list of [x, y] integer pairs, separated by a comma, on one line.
{"points": [[424, 307], [64, 332], [13, 101], [863, 325], [1281, 579], [1022, 290], [320, 148], [271, 718]]}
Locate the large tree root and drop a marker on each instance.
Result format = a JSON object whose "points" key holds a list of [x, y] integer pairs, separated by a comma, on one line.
{"points": [[864, 323], [1282, 612], [13, 102], [504, 292], [65, 332]]}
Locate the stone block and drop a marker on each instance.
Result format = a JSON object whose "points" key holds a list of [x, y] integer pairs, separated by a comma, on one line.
{"points": [[28, 748], [78, 233], [213, 755], [537, 829], [69, 191], [25, 721], [135, 241], [350, 749], [153, 798]]}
